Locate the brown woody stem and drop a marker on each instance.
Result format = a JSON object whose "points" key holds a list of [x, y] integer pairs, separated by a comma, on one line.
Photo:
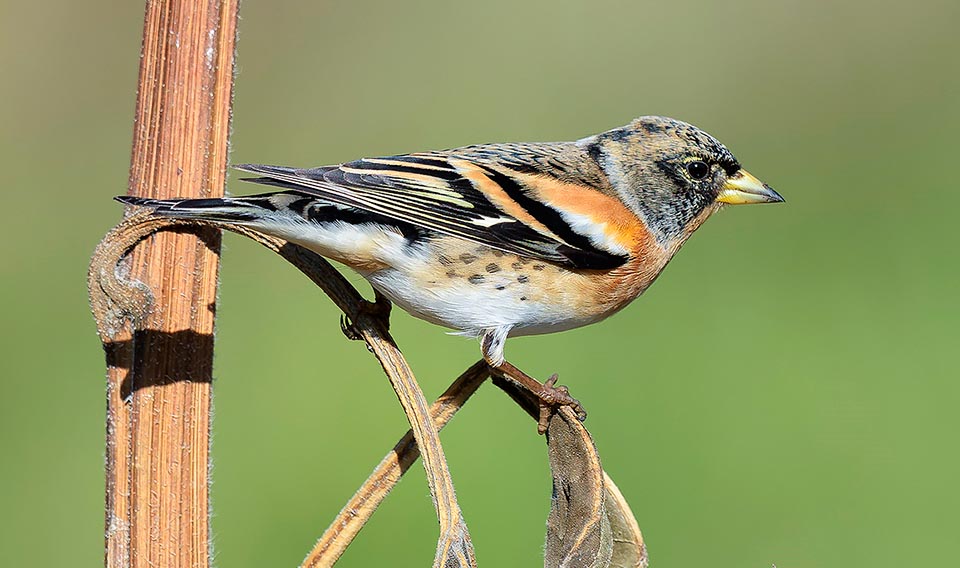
{"points": [[158, 375]]}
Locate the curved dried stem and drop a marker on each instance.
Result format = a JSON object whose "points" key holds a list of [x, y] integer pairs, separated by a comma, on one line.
{"points": [[608, 520], [113, 298], [388, 472]]}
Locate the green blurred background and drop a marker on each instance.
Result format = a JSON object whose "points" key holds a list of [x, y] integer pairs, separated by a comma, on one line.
{"points": [[786, 393]]}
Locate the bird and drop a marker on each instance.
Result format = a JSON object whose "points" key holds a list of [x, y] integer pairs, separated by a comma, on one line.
{"points": [[501, 240]]}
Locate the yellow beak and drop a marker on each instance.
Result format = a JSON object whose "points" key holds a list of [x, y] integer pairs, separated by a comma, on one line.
{"points": [[742, 188]]}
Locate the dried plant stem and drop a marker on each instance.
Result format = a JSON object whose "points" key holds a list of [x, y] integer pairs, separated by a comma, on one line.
{"points": [[628, 548], [158, 376], [454, 546], [388, 472]]}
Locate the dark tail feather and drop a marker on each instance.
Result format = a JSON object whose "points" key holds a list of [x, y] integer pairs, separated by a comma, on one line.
{"points": [[239, 209], [210, 209]]}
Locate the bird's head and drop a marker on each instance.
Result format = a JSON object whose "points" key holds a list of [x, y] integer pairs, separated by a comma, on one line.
{"points": [[674, 175]]}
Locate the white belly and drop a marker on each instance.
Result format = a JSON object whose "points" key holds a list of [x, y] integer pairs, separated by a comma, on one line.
{"points": [[473, 308]]}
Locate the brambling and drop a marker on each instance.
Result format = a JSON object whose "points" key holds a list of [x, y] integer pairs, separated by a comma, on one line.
{"points": [[502, 240]]}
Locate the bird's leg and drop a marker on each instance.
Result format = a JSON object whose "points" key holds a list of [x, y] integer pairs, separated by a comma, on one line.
{"points": [[379, 309], [549, 396]]}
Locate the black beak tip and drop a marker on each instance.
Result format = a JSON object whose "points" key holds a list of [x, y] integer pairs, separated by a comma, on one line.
{"points": [[774, 196]]}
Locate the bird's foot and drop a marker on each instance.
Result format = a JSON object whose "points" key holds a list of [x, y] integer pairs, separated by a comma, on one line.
{"points": [[378, 310], [549, 397], [552, 399]]}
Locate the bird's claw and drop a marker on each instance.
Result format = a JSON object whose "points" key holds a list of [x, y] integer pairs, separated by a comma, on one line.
{"points": [[349, 328], [378, 310], [552, 398]]}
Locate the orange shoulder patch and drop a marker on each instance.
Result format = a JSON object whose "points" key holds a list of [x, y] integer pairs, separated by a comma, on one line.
{"points": [[619, 226]]}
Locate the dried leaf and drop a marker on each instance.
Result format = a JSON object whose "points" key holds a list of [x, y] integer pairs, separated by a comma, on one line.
{"points": [[629, 551], [578, 529]]}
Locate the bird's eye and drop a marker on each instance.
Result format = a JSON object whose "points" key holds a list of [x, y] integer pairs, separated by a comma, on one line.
{"points": [[698, 169]]}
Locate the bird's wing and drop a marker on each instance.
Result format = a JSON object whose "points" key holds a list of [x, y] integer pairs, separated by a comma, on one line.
{"points": [[466, 194]]}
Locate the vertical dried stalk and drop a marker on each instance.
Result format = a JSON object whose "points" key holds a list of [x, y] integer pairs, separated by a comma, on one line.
{"points": [[158, 381]]}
